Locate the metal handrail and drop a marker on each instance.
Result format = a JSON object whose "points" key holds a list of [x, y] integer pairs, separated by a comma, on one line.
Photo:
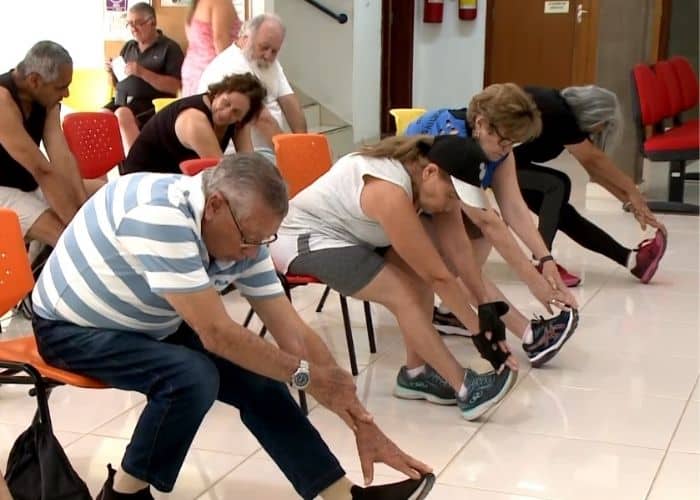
{"points": [[341, 18]]}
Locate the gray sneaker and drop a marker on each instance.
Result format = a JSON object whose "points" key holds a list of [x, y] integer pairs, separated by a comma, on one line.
{"points": [[549, 335], [484, 390], [429, 385]]}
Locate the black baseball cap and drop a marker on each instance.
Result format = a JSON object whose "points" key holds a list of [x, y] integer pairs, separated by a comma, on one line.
{"points": [[464, 160]]}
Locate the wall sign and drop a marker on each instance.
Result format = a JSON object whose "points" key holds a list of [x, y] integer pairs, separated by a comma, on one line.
{"points": [[556, 7]]}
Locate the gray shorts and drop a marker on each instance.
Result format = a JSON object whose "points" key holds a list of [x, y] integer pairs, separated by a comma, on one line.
{"points": [[346, 270], [29, 205]]}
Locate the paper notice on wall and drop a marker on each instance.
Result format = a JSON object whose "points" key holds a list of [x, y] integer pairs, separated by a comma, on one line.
{"points": [[556, 7], [115, 26], [175, 3], [115, 5]]}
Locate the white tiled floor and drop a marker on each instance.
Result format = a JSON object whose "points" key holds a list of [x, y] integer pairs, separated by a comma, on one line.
{"points": [[615, 416]]}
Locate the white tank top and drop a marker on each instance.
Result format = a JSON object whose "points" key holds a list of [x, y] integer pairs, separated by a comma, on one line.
{"points": [[329, 210]]}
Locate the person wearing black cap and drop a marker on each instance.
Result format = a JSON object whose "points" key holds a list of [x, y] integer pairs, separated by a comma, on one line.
{"points": [[499, 117], [358, 229]]}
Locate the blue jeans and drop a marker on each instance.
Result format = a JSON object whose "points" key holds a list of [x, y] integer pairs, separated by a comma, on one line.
{"points": [[182, 380]]}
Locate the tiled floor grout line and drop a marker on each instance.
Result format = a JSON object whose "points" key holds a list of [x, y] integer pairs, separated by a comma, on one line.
{"points": [[233, 469], [120, 414], [670, 441], [490, 412], [505, 493]]}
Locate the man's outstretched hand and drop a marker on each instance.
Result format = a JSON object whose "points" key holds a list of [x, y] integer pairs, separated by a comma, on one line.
{"points": [[373, 446]]}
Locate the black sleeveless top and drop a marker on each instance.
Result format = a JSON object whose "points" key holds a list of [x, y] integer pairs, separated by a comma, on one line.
{"points": [[157, 148], [12, 174]]}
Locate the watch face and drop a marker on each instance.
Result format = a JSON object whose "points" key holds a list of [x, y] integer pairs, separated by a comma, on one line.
{"points": [[301, 379]]}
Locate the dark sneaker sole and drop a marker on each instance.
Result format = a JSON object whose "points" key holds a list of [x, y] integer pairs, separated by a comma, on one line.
{"points": [[550, 353], [424, 488], [649, 274], [406, 393], [478, 411]]}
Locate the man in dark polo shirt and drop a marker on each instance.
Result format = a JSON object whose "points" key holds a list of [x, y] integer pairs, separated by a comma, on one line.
{"points": [[44, 189], [153, 63]]}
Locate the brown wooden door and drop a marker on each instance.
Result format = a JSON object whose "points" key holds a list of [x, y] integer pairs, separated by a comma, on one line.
{"points": [[539, 42], [397, 59]]}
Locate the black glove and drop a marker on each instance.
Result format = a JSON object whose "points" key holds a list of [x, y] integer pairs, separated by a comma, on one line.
{"points": [[490, 321]]}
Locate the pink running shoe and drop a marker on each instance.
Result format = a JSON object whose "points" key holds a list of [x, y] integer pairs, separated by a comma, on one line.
{"points": [[649, 253], [570, 280]]}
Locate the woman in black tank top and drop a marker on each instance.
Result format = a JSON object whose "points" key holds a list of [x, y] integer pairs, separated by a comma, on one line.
{"points": [[198, 126]]}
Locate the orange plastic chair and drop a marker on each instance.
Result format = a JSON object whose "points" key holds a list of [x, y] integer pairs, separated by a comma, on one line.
{"points": [[303, 158], [20, 355], [95, 141], [196, 165]]}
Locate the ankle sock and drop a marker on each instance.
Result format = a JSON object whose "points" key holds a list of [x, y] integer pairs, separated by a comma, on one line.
{"points": [[443, 310], [126, 484], [462, 393], [527, 334], [631, 261], [414, 372], [340, 490]]}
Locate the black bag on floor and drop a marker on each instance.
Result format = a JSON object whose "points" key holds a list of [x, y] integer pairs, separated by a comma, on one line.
{"points": [[38, 468]]}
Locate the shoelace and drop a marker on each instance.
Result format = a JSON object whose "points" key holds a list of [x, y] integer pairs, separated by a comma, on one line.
{"points": [[538, 318], [435, 377], [481, 380]]}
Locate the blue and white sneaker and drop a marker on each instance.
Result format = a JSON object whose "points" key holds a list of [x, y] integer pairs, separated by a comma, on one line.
{"points": [[549, 335], [484, 390], [429, 385]]}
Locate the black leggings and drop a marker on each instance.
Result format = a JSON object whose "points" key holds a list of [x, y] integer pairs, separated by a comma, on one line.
{"points": [[546, 191]]}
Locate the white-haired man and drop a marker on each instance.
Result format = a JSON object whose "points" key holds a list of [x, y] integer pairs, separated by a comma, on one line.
{"points": [[256, 51]]}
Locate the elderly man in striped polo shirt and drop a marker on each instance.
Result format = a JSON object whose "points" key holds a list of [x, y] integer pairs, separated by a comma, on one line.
{"points": [[151, 250]]}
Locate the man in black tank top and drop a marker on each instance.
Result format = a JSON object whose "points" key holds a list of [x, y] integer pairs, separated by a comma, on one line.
{"points": [[45, 193]]}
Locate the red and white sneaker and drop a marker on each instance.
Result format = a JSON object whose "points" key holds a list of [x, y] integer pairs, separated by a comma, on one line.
{"points": [[570, 280], [649, 253]]}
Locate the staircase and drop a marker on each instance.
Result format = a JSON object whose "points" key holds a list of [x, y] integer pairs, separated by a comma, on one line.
{"points": [[322, 121]]}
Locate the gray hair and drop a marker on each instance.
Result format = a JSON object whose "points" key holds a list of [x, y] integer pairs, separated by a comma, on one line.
{"points": [[44, 58], [595, 107], [252, 25], [243, 177], [143, 8]]}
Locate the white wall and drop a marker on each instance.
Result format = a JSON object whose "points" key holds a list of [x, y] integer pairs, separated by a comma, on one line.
{"points": [[366, 77], [448, 58], [77, 25], [318, 53]]}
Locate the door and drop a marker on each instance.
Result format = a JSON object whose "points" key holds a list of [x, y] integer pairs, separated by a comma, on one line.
{"points": [[397, 59], [540, 42]]}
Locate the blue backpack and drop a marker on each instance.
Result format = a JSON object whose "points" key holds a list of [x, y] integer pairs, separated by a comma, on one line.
{"points": [[441, 122], [451, 122]]}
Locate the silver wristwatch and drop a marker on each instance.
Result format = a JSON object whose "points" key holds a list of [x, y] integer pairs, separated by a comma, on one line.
{"points": [[301, 377]]}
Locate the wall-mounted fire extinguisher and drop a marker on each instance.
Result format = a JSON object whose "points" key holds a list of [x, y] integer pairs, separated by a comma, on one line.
{"points": [[467, 10], [432, 11]]}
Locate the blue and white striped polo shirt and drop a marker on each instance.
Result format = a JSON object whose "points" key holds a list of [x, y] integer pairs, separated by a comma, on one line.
{"points": [[136, 239]]}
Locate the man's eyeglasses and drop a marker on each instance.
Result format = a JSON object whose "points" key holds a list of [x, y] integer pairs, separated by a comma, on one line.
{"points": [[137, 24], [245, 242]]}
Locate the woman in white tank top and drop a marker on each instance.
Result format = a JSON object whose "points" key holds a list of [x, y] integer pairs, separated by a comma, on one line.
{"points": [[359, 229]]}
